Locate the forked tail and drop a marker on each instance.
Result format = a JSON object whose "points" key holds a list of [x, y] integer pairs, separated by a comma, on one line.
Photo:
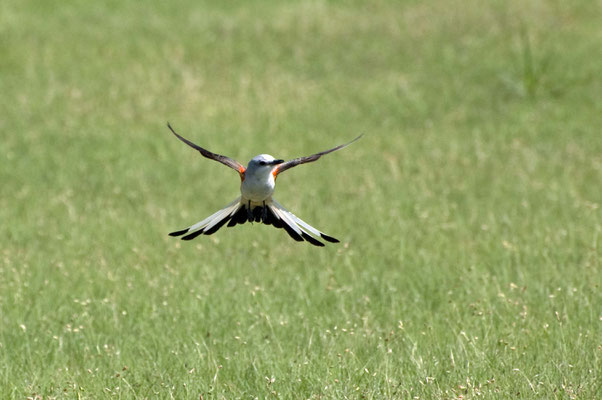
{"points": [[238, 212]]}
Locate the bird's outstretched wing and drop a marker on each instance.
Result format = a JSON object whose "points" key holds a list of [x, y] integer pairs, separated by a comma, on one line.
{"points": [[206, 153], [302, 160]]}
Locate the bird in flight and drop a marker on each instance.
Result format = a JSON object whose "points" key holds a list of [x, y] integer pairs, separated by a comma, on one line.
{"points": [[255, 204]]}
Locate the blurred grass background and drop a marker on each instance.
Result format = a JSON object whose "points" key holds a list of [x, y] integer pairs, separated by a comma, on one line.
{"points": [[469, 214]]}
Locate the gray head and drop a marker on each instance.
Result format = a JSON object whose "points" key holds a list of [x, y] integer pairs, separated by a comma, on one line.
{"points": [[264, 161]]}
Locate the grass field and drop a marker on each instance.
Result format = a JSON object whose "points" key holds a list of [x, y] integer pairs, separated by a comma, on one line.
{"points": [[469, 214]]}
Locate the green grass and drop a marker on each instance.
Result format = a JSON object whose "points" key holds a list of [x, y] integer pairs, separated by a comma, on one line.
{"points": [[469, 213]]}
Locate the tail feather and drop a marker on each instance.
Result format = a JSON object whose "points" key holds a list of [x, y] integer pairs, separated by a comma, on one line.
{"points": [[223, 217], [274, 220], [192, 235], [210, 224], [294, 230], [179, 233], [300, 226], [274, 214], [312, 240], [299, 221], [239, 217], [329, 238]]}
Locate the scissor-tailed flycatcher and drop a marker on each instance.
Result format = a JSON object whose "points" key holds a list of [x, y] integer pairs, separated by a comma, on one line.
{"points": [[255, 203]]}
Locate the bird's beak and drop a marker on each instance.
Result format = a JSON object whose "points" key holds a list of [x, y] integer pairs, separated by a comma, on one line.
{"points": [[276, 162]]}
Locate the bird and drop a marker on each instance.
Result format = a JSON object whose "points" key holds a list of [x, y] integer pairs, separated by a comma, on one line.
{"points": [[255, 203]]}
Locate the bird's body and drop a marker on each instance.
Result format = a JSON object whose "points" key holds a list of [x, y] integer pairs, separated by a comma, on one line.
{"points": [[255, 204], [259, 182]]}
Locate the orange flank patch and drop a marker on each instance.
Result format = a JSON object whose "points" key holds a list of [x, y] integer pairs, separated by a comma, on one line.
{"points": [[275, 172], [241, 172]]}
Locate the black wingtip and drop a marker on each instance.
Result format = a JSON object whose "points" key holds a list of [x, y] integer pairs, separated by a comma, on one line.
{"points": [[329, 238], [179, 233], [355, 140], [171, 129]]}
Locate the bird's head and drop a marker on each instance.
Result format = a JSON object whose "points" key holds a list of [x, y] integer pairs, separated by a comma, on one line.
{"points": [[263, 162]]}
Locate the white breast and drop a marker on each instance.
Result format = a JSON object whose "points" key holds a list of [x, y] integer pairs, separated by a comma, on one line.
{"points": [[258, 187]]}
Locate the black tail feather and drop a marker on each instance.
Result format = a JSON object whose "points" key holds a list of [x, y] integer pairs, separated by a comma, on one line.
{"points": [[257, 211], [193, 235], [268, 218], [276, 222], [217, 226], [291, 232], [329, 238], [311, 240], [240, 217], [179, 233]]}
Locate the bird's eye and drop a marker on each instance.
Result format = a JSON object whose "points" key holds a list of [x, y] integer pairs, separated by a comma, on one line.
{"points": [[262, 162]]}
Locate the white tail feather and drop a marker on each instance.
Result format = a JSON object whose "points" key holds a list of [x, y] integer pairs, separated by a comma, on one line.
{"points": [[215, 218], [296, 220], [280, 213]]}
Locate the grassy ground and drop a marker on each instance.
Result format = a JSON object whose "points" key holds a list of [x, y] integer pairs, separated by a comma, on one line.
{"points": [[469, 214]]}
